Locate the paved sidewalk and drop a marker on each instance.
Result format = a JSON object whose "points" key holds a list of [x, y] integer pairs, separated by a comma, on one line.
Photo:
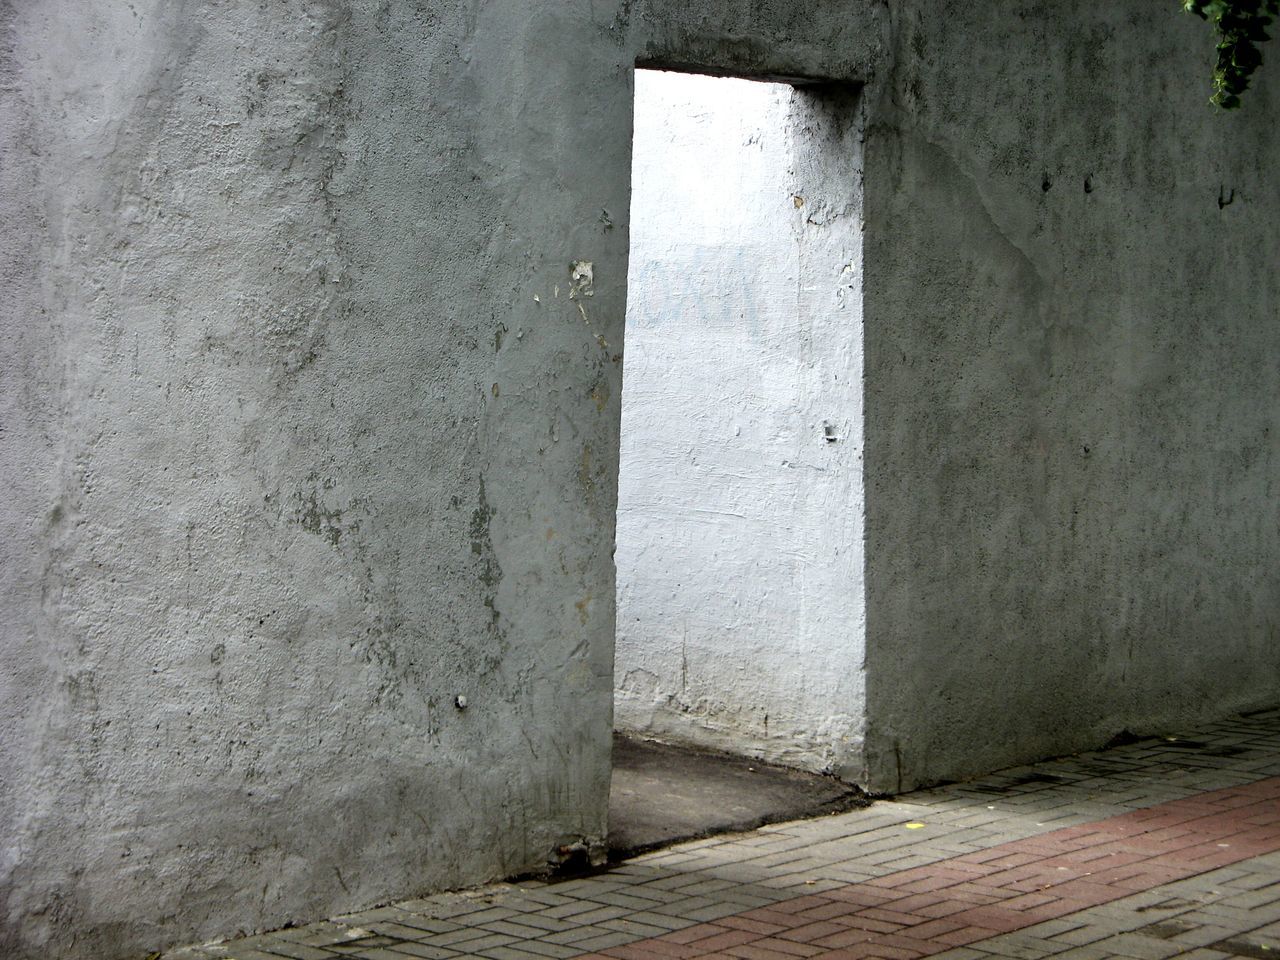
{"points": [[1163, 848], [661, 794]]}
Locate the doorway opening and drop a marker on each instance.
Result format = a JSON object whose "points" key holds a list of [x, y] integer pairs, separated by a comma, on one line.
{"points": [[739, 536]]}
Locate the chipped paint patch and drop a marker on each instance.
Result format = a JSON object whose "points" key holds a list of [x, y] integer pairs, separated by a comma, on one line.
{"points": [[582, 278]]}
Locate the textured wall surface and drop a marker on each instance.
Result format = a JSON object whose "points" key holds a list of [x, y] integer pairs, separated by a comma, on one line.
{"points": [[304, 435], [1071, 362], [299, 442], [301, 459], [739, 533]]}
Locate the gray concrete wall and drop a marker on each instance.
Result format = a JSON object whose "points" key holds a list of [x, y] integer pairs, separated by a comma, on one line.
{"points": [[298, 458], [1071, 385], [300, 445], [739, 533]]}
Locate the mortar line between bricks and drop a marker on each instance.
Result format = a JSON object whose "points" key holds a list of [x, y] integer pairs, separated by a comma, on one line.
{"points": [[966, 899]]}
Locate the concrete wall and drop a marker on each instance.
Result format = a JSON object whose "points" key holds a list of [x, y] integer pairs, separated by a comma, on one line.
{"points": [[1071, 413], [300, 459], [739, 541], [300, 444]]}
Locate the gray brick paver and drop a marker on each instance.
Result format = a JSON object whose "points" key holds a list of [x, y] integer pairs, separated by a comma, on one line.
{"points": [[1224, 916], [528, 901], [457, 938], [1145, 948], [673, 882], [566, 910], [1089, 932], [512, 928], [546, 924], [605, 941], [510, 953], [602, 913], [480, 944], [1002, 947], [294, 951], [427, 924], [640, 931], [1202, 935], [423, 951], [399, 930], [683, 907], [622, 901], [575, 936], [661, 920], [1084, 952], [545, 949]]}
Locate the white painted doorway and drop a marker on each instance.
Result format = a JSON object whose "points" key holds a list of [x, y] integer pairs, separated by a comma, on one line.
{"points": [[739, 536]]}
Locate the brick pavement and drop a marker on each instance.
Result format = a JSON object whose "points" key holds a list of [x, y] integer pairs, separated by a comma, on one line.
{"points": [[1166, 847]]}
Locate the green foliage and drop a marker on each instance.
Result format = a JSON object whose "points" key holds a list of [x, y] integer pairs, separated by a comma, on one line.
{"points": [[1241, 26]]}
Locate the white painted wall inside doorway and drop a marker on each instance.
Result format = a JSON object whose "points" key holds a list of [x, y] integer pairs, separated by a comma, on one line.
{"points": [[740, 593]]}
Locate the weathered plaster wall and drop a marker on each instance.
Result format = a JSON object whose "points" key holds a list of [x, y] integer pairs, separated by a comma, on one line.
{"points": [[300, 459], [300, 443], [739, 505], [1071, 356]]}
